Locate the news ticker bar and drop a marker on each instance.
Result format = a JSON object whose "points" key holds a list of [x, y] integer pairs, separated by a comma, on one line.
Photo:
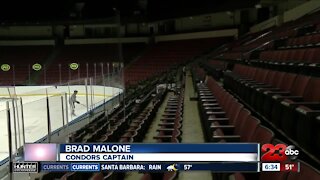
{"points": [[209, 152], [35, 167]]}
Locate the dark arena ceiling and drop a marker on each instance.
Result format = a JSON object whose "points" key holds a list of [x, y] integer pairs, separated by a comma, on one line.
{"points": [[55, 10]]}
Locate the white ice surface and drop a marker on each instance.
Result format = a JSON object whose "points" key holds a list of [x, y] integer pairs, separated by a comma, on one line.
{"points": [[35, 110]]}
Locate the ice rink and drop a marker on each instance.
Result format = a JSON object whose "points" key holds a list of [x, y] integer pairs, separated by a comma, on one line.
{"points": [[35, 110]]}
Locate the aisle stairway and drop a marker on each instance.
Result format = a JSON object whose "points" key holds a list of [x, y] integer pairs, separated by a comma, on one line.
{"points": [[191, 129]]}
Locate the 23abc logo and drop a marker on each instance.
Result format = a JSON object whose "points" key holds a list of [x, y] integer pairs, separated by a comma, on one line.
{"points": [[279, 152]]}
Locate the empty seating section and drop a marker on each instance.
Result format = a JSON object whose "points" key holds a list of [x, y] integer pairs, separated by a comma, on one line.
{"points": [[289, 101], [298, 41], [275, 74], [303, 41], [164, 55], [225, 119], [308, 56], [91, 59], [299, 47], [21, 59]]}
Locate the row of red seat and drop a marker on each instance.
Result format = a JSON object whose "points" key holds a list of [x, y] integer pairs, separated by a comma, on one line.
{"points": [[290, 55], [307, 28], [169, 130], [286, 32], [232, 55], [305, 56], [137, 130], [164, 55], [303, 41], [226, 120], [290, 101], [171, 123]]}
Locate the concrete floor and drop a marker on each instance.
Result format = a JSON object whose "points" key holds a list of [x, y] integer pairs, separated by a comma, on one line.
{"points": [[192, 131]]}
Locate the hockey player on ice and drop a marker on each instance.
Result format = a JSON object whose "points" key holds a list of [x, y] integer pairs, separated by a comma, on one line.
{"points": [[72, 101]]}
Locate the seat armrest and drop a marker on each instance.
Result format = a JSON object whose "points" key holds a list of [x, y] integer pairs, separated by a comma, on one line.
{"points": [[167, 118], [211, 118], [207, 91], [221, 126], [210, 104], [215, 113], [166, 124], [261, 86], [254, 83], [268, 89], [208, 100], [296, 103], [246, 80], [168, 114], [314, 64], [207, 96], [294, 98], [165, 129], [171, 108], [277, 92], [212, 108], [308, 112]]}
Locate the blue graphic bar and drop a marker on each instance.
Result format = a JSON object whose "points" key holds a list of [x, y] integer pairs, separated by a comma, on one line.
{"points": [[160, 148], [148, 167]]}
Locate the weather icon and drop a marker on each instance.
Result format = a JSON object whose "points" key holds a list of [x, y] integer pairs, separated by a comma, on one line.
{"points": [[172, 167]]}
